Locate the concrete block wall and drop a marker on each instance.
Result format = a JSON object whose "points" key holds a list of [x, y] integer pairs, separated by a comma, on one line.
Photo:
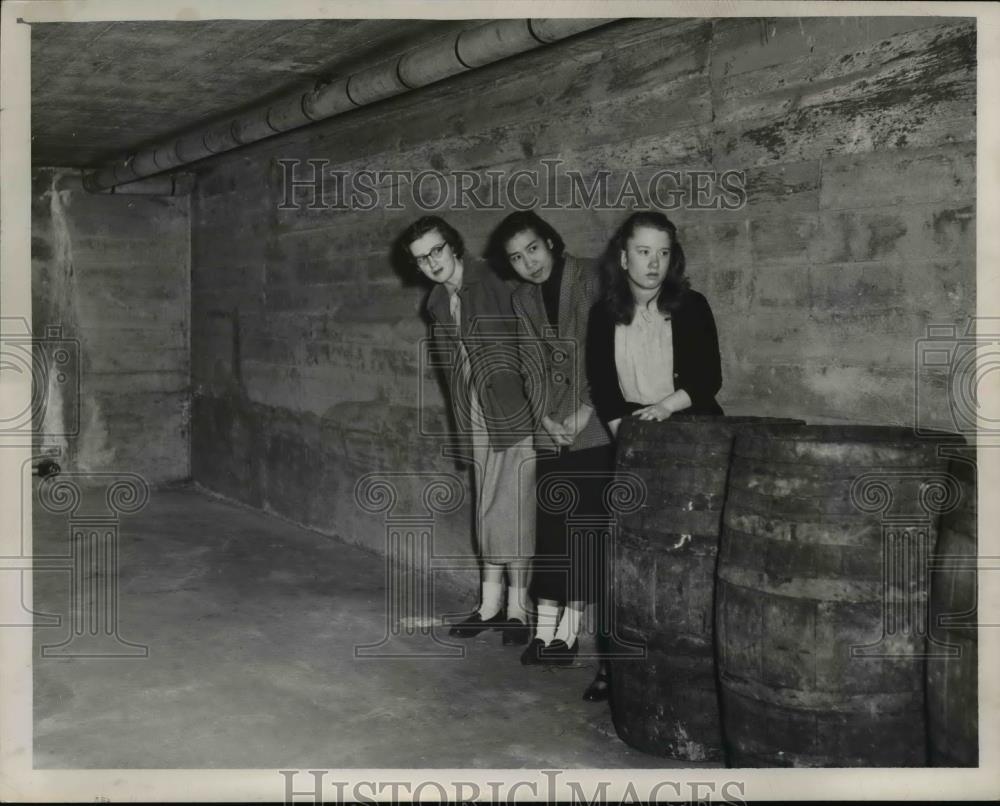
{"points": [[857, 140], [113, 273]]}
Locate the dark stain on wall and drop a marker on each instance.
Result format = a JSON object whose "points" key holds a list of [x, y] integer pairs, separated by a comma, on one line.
{"points": [[945, 221], [883, 233], [112, 273]]}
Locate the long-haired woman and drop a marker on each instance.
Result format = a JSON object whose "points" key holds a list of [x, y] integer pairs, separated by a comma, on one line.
{"points": [[652, 344]]}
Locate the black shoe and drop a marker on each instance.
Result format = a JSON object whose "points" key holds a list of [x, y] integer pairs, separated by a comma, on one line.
{"points": [[532, 655], [558, 654], [598, 690], [515, 632], [475, 624]]}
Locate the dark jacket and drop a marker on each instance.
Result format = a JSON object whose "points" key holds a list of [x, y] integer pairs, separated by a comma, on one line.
{"points": [[554, 363], [489, 332], [697, 363]]}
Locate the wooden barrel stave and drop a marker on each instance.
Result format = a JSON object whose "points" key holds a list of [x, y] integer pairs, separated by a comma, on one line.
{"points": [[952, 682], [672, 701], [665, 558], [801, 584], [820, 735]]}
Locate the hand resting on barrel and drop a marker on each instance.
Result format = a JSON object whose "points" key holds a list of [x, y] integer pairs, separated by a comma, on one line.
{"points": [[672, 403]]}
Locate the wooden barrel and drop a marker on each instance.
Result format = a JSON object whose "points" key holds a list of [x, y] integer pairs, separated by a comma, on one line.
{"points": [[666, 701], [952, 680], [821, 614]]}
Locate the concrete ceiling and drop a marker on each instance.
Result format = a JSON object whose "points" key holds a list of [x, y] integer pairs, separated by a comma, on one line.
{"points": [[101, 89]]}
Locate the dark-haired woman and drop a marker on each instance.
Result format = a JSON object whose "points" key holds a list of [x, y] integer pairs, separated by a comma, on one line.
{"points": [[575, 459], [652, 347], [471, 308]]}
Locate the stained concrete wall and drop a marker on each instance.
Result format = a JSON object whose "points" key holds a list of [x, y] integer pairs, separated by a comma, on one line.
{"points": [[112, 272], [857, 139]]}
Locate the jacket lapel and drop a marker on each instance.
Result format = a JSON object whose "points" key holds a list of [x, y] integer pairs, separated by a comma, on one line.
{"points": [[529, 297], [437, 305]]}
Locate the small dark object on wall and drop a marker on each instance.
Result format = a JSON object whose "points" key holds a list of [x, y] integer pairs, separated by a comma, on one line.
{"points": [[46, 468]]}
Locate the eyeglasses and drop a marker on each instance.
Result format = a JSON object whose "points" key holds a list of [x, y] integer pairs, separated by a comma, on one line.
{"points": [[434, 254]]}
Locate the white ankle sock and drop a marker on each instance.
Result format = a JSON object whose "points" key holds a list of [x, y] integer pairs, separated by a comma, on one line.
{"points": [[492, 600], [569, 626], [545, 626], [516, 597]]}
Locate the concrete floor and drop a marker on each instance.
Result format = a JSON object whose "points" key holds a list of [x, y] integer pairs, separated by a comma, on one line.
{"points": [[251, 624]]}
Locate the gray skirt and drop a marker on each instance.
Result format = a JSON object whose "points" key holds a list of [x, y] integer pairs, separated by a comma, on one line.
{"points": [[504, 495]]}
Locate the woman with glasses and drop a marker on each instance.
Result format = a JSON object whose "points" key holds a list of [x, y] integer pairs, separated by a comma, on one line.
{"points": [[473, 322]]}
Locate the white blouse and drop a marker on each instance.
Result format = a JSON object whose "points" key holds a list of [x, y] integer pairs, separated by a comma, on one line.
{"points": [[644, 357]]}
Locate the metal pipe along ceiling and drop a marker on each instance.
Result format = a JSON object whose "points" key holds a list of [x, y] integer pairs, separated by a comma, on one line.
{"points": [[440, 59]]}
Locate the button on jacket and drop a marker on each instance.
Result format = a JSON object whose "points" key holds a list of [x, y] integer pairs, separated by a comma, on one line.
{"points": [[489, 332]]}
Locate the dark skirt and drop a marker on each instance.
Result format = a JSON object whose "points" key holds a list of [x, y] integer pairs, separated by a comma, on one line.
{"points": [[573, 526]]}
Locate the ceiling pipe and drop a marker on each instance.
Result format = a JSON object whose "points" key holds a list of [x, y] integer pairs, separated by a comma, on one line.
{"points": [[445, 57], [175, 184]]}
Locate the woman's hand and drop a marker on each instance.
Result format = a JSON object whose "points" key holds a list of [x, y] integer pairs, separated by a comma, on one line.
{"points": [[656, 412], [577, 421], [557, 431], [613, 426], [674, 402]]}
